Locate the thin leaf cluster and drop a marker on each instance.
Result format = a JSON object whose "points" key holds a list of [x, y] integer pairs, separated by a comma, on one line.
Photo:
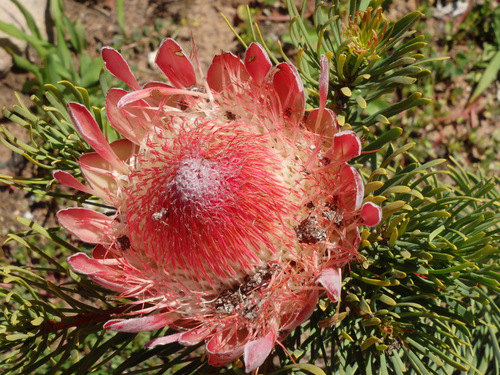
{"points": [[372, 60]]}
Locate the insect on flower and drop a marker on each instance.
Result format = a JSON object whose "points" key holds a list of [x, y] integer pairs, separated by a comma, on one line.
{"points": [[218, 230]]}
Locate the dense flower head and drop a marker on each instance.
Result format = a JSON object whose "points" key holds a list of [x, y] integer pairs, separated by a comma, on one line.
{"points": [[233, 211], [365, 31]]}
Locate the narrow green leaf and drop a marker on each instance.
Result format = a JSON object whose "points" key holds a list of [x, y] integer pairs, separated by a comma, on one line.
{"points": [[120, 15], [387, 300], [44, 232], [403, 24], [340, 67], [424, 350], [90, 73], [361, 101], [456, 268], [482, 253], [400, 80], [385, 138], [488, 77], [398, 365], [369, 342], [416, 362], [41, 47], [413, 100], [401, 150], [12, 139], [436, 232], [315, 370], [27, 65], [30, 22]]}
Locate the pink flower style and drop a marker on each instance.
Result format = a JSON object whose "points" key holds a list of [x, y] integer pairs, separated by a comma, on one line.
{"points": [[232, 213]]}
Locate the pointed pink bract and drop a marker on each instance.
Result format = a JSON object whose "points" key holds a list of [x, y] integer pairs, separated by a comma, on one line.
{"points": [[163, 340], [81, 263], [66, 179], [323, 122], [148, 323], [257, 62], [331, 279], [194, 336], [323, 82], [355, 185], [128, 126], [98, 171], [116, 65], [371, 214], [89, 226], [90, 131], [346, 145], [226, 72], [172, 61], [290, 90], [256, 351], [98, 271], [220, 353], [150, 92], [301, 317]]}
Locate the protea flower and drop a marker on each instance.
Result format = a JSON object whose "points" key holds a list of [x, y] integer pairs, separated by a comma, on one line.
{"points": [[232, 213]]}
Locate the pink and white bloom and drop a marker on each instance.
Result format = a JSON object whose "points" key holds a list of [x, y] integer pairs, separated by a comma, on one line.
{"points": [[233, 212]]}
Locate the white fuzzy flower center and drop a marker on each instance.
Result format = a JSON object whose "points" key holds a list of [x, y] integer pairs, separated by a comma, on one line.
{"points": [[198, 184]]}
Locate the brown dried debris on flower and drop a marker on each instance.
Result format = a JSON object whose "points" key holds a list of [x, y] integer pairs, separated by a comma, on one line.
{"points": [[308, 231]]}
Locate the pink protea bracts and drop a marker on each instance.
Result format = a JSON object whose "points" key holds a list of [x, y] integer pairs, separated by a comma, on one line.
{"points": [[232, 214]]}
